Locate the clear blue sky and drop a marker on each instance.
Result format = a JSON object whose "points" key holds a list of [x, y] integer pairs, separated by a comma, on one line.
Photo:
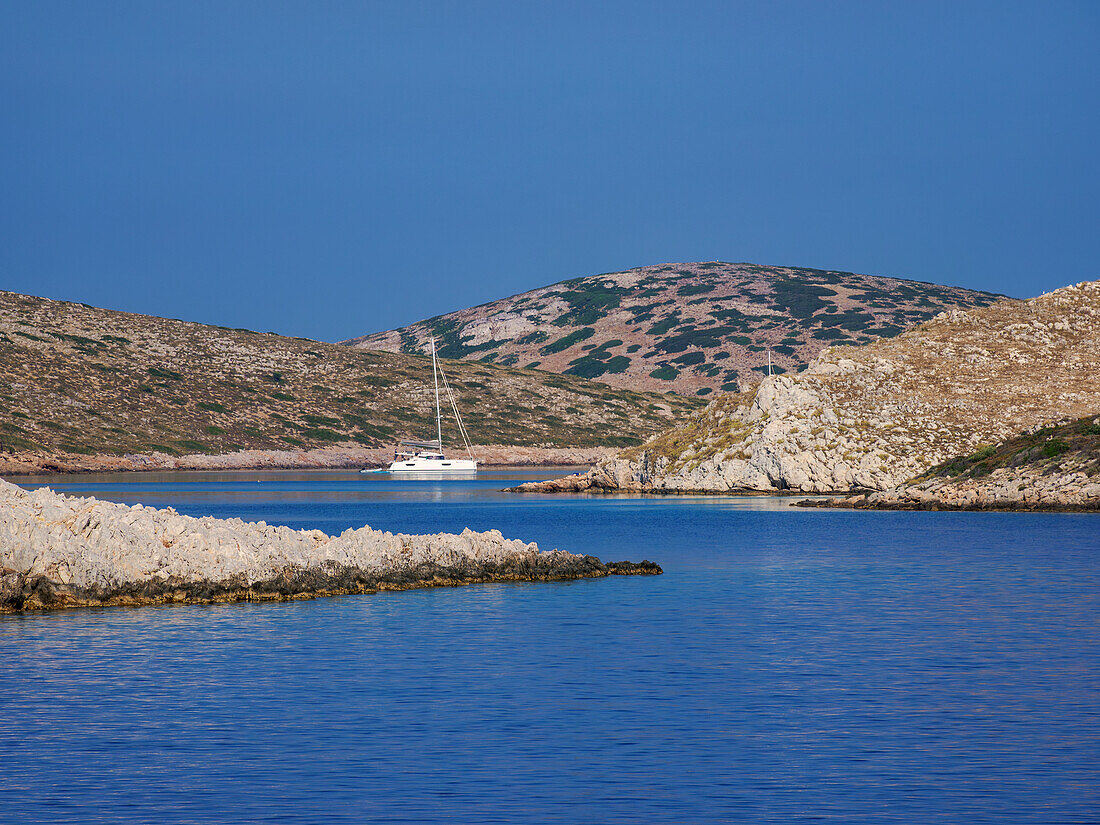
{"points": [[328, 169]]}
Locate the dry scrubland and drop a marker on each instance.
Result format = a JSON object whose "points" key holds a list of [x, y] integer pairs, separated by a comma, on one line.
{"points": [[695, 328], [78, 382], [873, 417]]}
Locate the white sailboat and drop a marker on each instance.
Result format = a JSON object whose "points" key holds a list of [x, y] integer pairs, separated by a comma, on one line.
{"points": [[426, 458]]}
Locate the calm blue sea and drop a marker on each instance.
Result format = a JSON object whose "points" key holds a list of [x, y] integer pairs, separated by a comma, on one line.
{"points": [[790, 665]]}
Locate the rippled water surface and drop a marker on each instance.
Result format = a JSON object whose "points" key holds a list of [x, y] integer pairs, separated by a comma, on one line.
{"points": [[790, 665]]}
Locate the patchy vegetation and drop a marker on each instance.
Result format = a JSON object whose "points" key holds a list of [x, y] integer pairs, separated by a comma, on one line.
{"points": [[704, 312]]}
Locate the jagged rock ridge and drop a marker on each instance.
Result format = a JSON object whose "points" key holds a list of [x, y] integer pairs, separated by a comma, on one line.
{"points": [[691, 327]]}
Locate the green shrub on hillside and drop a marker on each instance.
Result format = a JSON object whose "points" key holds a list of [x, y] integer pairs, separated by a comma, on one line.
{"points": [[589, 302], [1055, 447], [566, 341], [664, 325], [695, 289], [799, 298]]}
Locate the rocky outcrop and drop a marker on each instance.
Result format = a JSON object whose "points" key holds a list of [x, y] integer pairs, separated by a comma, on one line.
{"points": [[1003, 490], [597, 479], [1051, 468], [870, 418], [61, 551]]}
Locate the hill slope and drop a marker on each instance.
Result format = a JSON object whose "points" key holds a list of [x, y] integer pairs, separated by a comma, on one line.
{"points": [[693, 328], [872, 417], [76, 379], [1051, 468]]}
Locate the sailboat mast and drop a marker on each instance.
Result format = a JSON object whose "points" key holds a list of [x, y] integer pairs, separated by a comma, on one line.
{"points": [[438, 414]]}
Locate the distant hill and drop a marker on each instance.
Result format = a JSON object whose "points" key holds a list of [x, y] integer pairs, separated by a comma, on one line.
{"points": [[693, 328], [76, 379]]}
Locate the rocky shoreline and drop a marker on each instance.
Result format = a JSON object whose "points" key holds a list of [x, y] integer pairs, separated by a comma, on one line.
{"points": [[1010, 489], [60, 551], [903, 503], [1017, 489], [326, 458], [603, 479], [592, 480], [1062, 494]]}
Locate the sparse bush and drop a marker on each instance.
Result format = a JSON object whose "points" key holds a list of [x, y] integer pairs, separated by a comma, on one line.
{"points": [[695, 289], [566, 341], [664, 325], [1055, 447], [324, 434]]}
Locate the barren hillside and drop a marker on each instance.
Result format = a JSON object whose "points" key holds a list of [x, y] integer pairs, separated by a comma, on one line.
{"points": [[694, 328], [75, 379]]}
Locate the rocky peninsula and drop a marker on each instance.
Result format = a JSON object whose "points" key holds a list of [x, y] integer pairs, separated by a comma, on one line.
{"points": [[60, 551]]}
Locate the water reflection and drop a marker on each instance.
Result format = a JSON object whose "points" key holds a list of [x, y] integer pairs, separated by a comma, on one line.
{"points": [[253, 487]]}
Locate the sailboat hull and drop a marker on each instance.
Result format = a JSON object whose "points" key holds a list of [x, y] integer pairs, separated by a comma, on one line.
{"points": [[425, 459], [430, 467], [447, 466]]}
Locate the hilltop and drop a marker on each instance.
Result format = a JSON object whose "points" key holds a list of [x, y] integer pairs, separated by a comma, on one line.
{"points": [[692, 328], [872, 417], [77, 380]]}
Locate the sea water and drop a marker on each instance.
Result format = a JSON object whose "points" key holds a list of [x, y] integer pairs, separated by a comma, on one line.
{"points": [[790, 665]]}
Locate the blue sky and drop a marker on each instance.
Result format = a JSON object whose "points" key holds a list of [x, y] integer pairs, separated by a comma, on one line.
{"points": [[328, 169]]}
